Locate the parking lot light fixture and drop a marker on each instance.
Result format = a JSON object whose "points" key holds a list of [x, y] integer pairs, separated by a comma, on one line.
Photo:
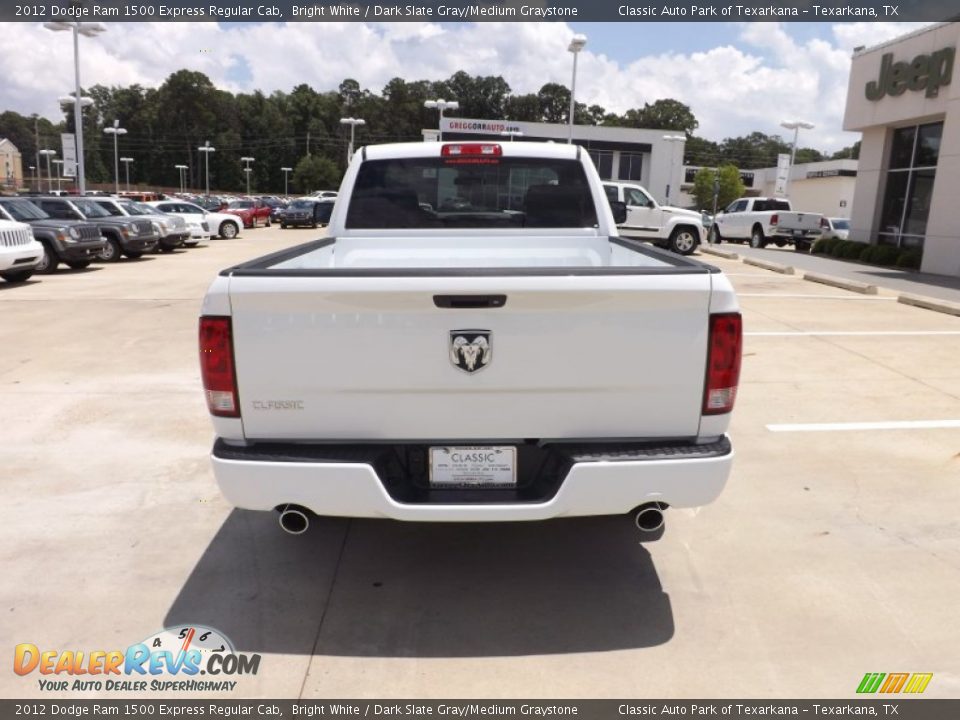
{"points": [[87, 29], [59, 164], [126, 161], [794, 125], [206, 149], [116, 131], [441, 105], [286, 177], [577, 43], [352, 122], [181, 169], [246, 170], [48, 154], [672, 139]]}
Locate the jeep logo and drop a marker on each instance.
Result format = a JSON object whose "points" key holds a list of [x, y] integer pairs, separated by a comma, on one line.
{"points": [[925, 72]]}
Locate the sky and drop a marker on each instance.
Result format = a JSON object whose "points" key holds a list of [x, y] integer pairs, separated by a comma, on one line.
{"points": [[736, 77]]}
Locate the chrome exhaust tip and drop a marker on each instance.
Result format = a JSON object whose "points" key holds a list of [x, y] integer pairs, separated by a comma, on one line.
{"points": [[649, 517], [294, 519]]}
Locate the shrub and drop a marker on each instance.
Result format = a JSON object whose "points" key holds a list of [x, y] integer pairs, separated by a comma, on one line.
{"points": [[909, 259], [836, 248], [824, 246], [852, 250]]}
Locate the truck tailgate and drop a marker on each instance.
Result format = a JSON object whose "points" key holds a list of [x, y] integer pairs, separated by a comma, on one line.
{"points": [[370, 358]]}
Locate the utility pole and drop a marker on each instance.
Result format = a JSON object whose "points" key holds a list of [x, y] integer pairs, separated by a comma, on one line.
{"points": [[36, 132]]}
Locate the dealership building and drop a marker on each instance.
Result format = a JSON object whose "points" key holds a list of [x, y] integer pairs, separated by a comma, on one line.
{"points": [[903, 98], [629, 154]]}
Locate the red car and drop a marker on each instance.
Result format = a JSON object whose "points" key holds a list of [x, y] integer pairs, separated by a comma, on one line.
{"points": [[252, 212]]}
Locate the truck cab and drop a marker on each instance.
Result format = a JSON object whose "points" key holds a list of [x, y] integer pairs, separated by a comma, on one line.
{"points": [[671, 227]]}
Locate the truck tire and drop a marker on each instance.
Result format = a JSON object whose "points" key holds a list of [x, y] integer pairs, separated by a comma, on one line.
{"points": [[683, 241], [757, 238], [15, 276], [78, 264], [111, 251], [49, 261], [801, 246], [228, 230]]}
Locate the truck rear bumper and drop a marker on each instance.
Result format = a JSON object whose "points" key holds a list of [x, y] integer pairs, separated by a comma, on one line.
{"points": [[589, 480]]}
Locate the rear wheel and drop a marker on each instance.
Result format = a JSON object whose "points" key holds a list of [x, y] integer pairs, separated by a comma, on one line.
{"points": [[111, 251], [801, 246], [757, 238], [79, 264], [15, 276], [228, 230], [682, 241]]}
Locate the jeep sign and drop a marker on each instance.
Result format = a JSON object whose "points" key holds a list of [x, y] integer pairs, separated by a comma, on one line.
{"points": [[925, 72]]}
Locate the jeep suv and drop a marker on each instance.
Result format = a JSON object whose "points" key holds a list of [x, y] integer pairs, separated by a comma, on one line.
{"points": [[69, 241], [124, 235]]}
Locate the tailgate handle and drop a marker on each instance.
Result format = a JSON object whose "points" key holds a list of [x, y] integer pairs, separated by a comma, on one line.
{"points": [[469, 302]]}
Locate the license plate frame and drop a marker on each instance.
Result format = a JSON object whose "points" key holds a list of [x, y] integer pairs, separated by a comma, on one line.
{"points": [[475, 467]]}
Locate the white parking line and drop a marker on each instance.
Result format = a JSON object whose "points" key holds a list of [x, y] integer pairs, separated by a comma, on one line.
{"points": [[841, 333], [816, 297], [895, 425]]}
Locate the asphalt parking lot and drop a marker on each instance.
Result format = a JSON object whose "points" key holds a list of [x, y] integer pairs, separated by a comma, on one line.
{"points": [[834, 551]]}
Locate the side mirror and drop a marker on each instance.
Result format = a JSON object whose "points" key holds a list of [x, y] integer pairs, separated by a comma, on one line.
{"points": [[619, 211]]}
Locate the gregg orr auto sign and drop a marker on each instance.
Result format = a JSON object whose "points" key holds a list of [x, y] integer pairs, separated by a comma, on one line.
{"points": [[924, 72]]}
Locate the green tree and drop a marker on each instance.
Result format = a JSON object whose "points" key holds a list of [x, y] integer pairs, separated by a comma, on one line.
{"points": [[730, 186], [848, 153], [664, 114], [315, 172]]}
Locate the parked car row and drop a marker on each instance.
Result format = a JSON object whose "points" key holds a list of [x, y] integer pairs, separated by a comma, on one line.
{"points": [[38, 233]]}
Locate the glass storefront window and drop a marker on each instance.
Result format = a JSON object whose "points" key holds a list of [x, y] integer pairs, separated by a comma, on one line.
{"points": [[603, 161], [631, 166], [914, 153]]}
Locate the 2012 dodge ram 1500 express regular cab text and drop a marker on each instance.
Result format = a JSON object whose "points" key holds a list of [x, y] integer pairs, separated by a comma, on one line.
{"points": [[505, 358]]}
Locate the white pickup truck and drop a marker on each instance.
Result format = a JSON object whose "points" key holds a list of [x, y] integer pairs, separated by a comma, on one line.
{"points": [[763, 220], [508, 358], [670, 227], [19, 252]]}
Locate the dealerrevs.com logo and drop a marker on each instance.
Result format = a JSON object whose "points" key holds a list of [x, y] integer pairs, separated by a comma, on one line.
{"points": [[185, 659]]}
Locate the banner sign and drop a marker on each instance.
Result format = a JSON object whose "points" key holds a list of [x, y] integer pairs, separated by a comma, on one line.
{"points": [[69, 154], [783, 174]]}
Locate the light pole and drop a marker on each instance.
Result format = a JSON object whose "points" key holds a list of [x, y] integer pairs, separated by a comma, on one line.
{"points": [[576, 45], [672, 139], [352, 122], [33, 169], [116, 131], [286, 177], [48, 154], [126, 161], [58, 163], [87, 29], [181, 169], [441, 105], [246, 170], [206, 150], [794, 125], [511, 134]]}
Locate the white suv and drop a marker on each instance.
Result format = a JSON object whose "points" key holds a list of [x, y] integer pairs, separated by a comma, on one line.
{"points": [[19, 252]]}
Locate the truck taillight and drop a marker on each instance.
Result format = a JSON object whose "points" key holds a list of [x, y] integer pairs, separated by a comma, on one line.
{"points": [[723, 363], [216, 366], [774, 219]]}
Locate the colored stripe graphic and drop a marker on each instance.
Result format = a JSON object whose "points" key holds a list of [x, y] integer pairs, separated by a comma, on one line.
{"points": [[870, 682], [918, 683], [895, 682]]}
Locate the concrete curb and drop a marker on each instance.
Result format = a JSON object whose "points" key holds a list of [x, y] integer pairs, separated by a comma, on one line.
{"points": [[767, 265], [927, 303], [842, 283], [728, 254]]}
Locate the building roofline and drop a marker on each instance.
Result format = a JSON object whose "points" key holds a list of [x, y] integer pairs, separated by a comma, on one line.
{"points": [[901, 38]]}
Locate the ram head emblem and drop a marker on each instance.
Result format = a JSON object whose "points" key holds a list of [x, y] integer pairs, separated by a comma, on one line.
{"points": [[470, 350]]}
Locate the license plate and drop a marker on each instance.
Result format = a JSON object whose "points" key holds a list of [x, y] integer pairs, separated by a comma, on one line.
{"points": [[797, 233], [473, 467]]}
